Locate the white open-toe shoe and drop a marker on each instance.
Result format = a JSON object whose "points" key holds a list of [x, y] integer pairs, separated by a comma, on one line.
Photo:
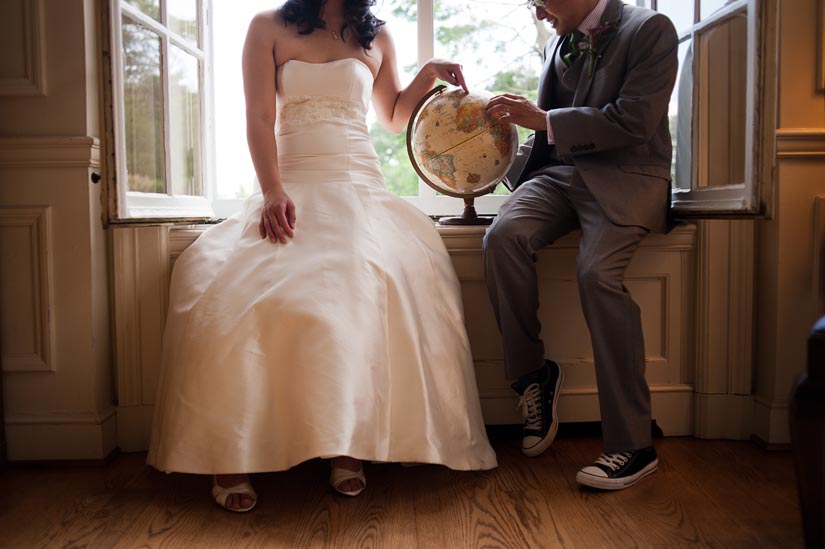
{"points": [[219, 493], [338, 476]]}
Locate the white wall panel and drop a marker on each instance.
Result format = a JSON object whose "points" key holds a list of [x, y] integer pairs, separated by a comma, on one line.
{"points": [[26, 289], [22, 41]]}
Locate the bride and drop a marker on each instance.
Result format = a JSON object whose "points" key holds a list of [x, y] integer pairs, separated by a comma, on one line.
{"points": [[325, 319]]}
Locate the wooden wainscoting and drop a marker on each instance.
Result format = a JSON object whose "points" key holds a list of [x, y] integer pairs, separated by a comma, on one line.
{"points": [[661, 278], [54, 319]]}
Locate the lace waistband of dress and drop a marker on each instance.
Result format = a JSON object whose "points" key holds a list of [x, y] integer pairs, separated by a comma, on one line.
{"points": [[305, 110]]}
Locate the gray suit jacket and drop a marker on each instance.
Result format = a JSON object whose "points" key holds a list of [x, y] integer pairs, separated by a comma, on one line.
{"points": [[616, 133]]}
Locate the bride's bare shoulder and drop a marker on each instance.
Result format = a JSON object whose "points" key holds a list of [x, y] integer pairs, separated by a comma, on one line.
{"points": [[267, 24], [383, 38], [383, 43]]}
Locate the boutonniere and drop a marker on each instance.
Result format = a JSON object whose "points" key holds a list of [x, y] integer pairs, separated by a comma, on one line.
{"points": [[593, 43]]}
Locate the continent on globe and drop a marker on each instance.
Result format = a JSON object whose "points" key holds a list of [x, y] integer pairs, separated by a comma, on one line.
{"points": [[457, 147]]}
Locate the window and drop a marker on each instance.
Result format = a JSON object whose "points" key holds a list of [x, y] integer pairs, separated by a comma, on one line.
{"points": [[721, 110], [178, 156], [159, 125], [500, 46], [485, 41]]}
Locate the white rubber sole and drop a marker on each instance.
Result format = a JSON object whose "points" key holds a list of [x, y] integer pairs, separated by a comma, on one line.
{"points": [[539, 448], [603, 483]]}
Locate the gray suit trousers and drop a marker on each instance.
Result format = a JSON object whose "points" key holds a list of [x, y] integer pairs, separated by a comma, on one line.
{"points": [[552, 203]]}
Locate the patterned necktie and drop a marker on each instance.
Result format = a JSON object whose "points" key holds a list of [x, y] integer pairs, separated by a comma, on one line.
{"points": [[571, 49]]}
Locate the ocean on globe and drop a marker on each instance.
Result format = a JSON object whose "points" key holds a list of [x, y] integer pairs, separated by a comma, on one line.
{"points": [[457, 147]]}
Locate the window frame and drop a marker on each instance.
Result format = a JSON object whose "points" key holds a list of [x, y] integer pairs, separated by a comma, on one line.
{"points": [[753, 197], [132, 206]]}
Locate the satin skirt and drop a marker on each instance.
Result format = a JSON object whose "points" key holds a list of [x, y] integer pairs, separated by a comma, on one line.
{"points": [[347, 340]]}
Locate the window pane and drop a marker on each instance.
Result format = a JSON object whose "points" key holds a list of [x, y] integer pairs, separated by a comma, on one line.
{"points": [[709, 7], [681, 12], [724, 48], [183, 18], [499, 46], [143, 108], [185, 123], [149, 7], [234, 172], [681, 117], [399, 174]]}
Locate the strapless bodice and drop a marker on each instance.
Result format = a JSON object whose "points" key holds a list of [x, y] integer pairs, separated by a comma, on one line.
{"points": [[321, 116], [308, 93]]}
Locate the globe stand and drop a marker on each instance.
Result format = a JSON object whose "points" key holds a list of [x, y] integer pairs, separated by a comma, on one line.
{"points": [[468, 217]]}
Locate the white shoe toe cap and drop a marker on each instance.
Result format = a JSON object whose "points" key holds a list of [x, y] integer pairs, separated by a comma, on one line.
{"points": [[530, 441], [593, 471]]}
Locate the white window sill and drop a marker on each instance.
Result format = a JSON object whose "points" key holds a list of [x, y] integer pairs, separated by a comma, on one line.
{"points": [[467, 239]]}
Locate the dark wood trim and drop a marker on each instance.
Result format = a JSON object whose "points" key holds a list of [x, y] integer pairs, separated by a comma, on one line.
{"points": [[770, 446], [65, 462], [3, 453]]}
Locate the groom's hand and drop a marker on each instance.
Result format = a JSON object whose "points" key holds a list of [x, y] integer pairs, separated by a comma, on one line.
{"points": [[517, 110]]}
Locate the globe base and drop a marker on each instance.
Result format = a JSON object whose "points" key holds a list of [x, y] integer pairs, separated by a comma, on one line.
{"points": [[464, 221], [468, 217]]}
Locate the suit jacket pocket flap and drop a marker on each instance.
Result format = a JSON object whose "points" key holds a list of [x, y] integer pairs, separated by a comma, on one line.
{"points": [[647, 169]]}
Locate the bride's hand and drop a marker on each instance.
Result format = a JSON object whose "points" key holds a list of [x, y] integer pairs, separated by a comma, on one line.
{"points": [[277, 217], [448, 72]]}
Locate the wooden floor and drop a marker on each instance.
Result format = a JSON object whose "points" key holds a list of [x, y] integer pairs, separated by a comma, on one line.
{"points": [[726, 494]]}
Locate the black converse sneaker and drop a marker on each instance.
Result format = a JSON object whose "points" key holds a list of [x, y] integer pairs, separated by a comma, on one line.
{"points": [[539, 392], [619, 470]]}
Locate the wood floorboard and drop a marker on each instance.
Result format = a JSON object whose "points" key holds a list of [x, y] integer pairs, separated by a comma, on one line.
{"points": [[92, 511], [578, 516], [603, 508], [482, 509], [28, 510], [755, 487], [705, 494], [382, 516]]}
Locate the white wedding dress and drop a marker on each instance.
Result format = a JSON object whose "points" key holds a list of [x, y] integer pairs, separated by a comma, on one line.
{"points": [[347, 340]]}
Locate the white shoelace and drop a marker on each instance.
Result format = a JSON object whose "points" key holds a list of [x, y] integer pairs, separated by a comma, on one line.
{"points": [[614, 461], [530, 405]]}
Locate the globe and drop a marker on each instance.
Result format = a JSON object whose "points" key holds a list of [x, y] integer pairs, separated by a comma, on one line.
{"points": [[458, 149]]}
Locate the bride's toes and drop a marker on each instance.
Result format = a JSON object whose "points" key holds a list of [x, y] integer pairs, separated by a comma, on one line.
{"points": [[231, 502], [352, 485], [238, 501], [347, 476], [233, 492]]}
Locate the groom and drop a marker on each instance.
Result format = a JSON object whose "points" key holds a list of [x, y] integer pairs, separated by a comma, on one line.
{"points": [[599, 161]]}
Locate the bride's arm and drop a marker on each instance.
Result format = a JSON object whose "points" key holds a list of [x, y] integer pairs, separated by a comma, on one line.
{"points": [[278, 215], [394, 105]]}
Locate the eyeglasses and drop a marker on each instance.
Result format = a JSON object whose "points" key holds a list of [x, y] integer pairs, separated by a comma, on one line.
{"points": [[538, 3]]}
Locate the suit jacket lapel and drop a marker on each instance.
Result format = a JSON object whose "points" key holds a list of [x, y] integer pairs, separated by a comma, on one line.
{"points": [[613, 12], [548, 74]]}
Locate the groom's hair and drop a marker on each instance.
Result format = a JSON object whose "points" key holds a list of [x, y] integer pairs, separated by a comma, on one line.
{"points": [[306, 14]]}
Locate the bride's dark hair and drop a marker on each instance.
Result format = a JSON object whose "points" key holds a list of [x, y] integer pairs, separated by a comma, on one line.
{"points": [[306, 14]]}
